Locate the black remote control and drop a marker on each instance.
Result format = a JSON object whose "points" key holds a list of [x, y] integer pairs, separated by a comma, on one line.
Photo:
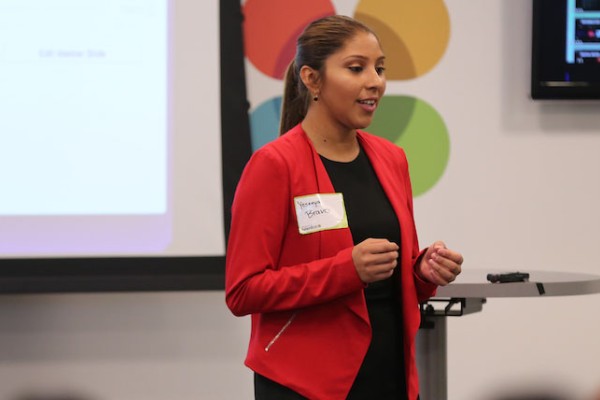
{"points": [[508, 277]]}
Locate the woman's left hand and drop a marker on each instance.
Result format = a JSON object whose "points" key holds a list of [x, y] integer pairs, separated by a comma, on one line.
{"points": [[439, 265]]}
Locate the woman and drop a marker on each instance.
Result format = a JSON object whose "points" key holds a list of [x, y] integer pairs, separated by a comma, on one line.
{"points": [[323, 250]]}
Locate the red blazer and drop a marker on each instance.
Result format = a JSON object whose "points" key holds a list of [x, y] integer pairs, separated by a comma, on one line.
{"points": [[310, 326]]}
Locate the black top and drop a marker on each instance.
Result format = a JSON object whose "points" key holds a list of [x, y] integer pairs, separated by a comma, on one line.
{"points": [[370, 215]]}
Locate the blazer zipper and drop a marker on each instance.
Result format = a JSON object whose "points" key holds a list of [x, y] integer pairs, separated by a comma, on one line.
{"points": [[287, 324]]}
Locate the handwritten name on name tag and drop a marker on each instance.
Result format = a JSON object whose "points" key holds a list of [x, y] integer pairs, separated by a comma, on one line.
{"points": [[320, 212]]}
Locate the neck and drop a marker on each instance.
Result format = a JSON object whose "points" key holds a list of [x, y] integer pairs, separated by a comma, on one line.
{"points": [[330, 140]]}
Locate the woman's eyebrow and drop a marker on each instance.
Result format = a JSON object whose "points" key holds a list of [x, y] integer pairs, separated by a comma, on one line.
{"points": [[360, 56]]}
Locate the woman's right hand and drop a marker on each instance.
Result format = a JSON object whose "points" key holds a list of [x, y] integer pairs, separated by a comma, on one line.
{"points": [[375, 259]]}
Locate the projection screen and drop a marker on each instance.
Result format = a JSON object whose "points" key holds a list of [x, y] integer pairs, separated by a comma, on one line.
{"points": [[111, 141]]}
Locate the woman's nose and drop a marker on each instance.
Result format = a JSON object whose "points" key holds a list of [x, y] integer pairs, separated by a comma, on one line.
{"points": [[375, 80]]}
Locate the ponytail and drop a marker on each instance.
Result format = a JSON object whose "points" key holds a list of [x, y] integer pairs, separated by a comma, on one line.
{"points": [[295, 100]]}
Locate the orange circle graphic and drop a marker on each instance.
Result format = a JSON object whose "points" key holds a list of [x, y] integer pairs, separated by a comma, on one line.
{"points": [[414, 34]]}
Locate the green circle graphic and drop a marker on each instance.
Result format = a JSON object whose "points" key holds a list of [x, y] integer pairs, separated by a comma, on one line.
{"points": [[419, 129]]}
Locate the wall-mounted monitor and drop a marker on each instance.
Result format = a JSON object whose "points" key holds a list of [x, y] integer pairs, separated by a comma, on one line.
{"points": [[566, 49]]}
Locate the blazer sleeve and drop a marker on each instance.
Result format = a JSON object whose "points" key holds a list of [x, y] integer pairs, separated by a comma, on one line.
{"points": [[254, 280], [425, 289]]}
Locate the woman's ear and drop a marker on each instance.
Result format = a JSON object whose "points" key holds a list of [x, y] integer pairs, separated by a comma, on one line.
{"points": [[311, 79]]}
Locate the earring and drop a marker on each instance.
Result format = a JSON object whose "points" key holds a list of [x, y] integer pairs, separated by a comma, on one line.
{"points": [[316, 98]]}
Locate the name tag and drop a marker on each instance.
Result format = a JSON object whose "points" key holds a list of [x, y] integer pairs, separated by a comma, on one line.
{"points": [[320, 212]]}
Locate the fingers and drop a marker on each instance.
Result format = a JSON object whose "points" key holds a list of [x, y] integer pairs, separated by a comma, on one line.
{"points": [[438, 245], [380, 258], [449, 264], [375, 259], [451, 255], [381, 271], [376, 251], [440, 265], [378, 245], [380, 265], [443, 264], [440, 274]]}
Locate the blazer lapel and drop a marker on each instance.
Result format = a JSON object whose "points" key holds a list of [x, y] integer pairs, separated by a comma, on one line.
{"points": [[332, 241]]}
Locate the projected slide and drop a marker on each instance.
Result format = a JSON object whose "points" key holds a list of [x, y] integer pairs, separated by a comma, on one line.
{"points": [[87, 142]]}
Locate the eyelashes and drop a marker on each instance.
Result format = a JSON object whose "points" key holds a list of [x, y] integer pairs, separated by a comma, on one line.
{"points": [[358, 69]]}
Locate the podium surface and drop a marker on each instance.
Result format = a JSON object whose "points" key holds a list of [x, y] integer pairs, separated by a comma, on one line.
{"points": [[473, 284], [468, 293]]}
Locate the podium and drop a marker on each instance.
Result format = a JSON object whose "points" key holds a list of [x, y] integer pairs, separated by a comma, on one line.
{"points": [[467, 295]]}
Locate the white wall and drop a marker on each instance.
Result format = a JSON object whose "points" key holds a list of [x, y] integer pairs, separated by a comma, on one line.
{"points": [[133, 346], [521, 192]]}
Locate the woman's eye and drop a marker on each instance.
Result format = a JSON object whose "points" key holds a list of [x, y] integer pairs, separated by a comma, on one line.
{"points": [[380, 70], [355, 68]]}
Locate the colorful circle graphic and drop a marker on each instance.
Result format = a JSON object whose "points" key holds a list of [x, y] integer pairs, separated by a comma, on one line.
{"points": [[414, 34], [420, 130], [264, 122], [272, 27]]}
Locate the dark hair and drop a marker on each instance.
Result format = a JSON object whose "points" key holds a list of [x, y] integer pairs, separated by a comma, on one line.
{"points": [[319, 40]]}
